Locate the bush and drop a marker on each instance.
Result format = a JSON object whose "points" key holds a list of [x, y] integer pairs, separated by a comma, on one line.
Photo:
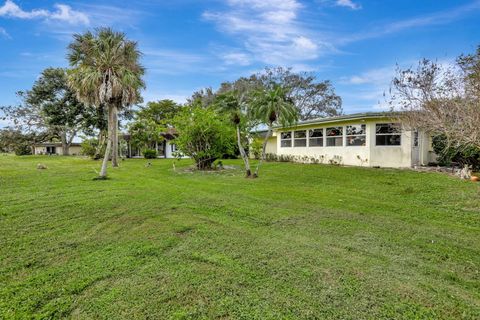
{"points": [[204, 135], [256, 148], [462, 155], [150, 154], [89, 148], [22, 149]]}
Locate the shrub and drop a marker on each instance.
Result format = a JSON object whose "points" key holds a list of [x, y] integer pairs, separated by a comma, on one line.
{"points": [[463, 155], [150, 154], [204, 135], [256, 148], [22, 149], [89, 148]]}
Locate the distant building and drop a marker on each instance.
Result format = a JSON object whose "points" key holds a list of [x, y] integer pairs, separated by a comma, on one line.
{"points": [[165, 149], [363, 139], [55, 148]]}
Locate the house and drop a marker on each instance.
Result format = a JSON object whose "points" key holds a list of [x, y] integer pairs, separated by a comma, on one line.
{"points": [[165, 149], [56, 148], [371, 139]]}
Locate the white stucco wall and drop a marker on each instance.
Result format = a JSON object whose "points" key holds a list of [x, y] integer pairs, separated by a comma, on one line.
{"points": [[368, 155], [73, 150]]}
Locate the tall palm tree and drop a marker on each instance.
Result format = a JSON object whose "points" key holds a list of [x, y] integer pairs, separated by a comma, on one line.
{"points": [[106, 71], [271, 106]]}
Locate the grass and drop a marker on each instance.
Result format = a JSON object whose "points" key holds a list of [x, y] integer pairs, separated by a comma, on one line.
{"points": [[300, 242]]}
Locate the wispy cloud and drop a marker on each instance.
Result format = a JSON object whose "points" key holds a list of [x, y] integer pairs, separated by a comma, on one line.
{"points": [[432, 19], [348, 3], [62, 12], [270, 32], [4, 33]]}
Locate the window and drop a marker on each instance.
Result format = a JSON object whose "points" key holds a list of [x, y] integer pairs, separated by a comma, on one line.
{"points": [[415, 138], [356, 135], [286, 139], [174, 147], [300, 138], [315, 138], [388, 134], [335, 137]]}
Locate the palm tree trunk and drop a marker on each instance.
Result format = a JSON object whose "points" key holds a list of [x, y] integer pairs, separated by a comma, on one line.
{"points": [[103, 171], [243, 154], [114, 136], [264, 148]]}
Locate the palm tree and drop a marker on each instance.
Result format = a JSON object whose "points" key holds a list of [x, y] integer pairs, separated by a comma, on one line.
{"points": [[272, 106], [236, 105], [106, 71]]}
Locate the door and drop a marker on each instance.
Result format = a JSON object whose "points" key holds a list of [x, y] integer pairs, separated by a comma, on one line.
{"points": [[415, 149]]}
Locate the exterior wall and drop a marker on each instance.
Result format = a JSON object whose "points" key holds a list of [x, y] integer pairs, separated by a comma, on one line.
{"points": [[368, 155], [170, 148], [272, 144], [73, 150]]}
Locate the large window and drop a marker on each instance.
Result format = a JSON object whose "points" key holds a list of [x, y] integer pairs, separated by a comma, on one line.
{"points": [[300, 138], [335, 137], [315, 138], [356, 135], [286, 139], [388, 134]]}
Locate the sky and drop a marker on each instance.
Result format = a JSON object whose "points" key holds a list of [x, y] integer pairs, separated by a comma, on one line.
{"points": [[192, 44]]}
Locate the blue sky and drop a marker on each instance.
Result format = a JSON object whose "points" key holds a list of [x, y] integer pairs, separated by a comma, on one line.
{"points": [[190, 44]]}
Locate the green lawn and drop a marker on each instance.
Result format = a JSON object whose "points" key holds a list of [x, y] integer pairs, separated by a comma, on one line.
{"points": [[300, 242]]}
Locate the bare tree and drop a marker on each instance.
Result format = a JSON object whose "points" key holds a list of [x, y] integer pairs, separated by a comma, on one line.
{"points": [[442, 100]]}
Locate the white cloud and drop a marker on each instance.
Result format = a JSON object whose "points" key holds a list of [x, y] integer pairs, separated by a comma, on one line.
{"points": [[4, 33], [349, 4], [236, 58], [63, 13], [269, 32], [377, 76]]}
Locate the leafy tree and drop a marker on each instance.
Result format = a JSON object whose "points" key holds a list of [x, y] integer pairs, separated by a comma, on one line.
{"points": [[204, 135], [161, 112], [50, 106], [273, 107], [312, 98], [151, 122], [146, 133], [14, 140], [106, 72]]}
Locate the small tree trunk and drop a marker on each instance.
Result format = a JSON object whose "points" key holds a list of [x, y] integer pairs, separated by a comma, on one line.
{"points": [[114, 136], [243, 154], [264, 148]]}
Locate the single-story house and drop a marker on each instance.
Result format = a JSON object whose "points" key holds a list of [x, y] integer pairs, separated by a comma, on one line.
{"points": [[56, 148], [373, 139], [165, 149]]}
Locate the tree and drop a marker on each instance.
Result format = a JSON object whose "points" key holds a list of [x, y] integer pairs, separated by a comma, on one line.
{"points": [[272, 106], [442, 100], [106, 71], [151, 122], [62, 112], [235, 105], [161, 112], [204, 135], [312, 98], [50, 107]]}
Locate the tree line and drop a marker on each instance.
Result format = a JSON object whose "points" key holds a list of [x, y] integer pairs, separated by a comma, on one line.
{"points": [[104, 82]]}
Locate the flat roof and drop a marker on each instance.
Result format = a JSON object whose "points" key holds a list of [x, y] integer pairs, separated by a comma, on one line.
{"points": [[353, 116]]}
